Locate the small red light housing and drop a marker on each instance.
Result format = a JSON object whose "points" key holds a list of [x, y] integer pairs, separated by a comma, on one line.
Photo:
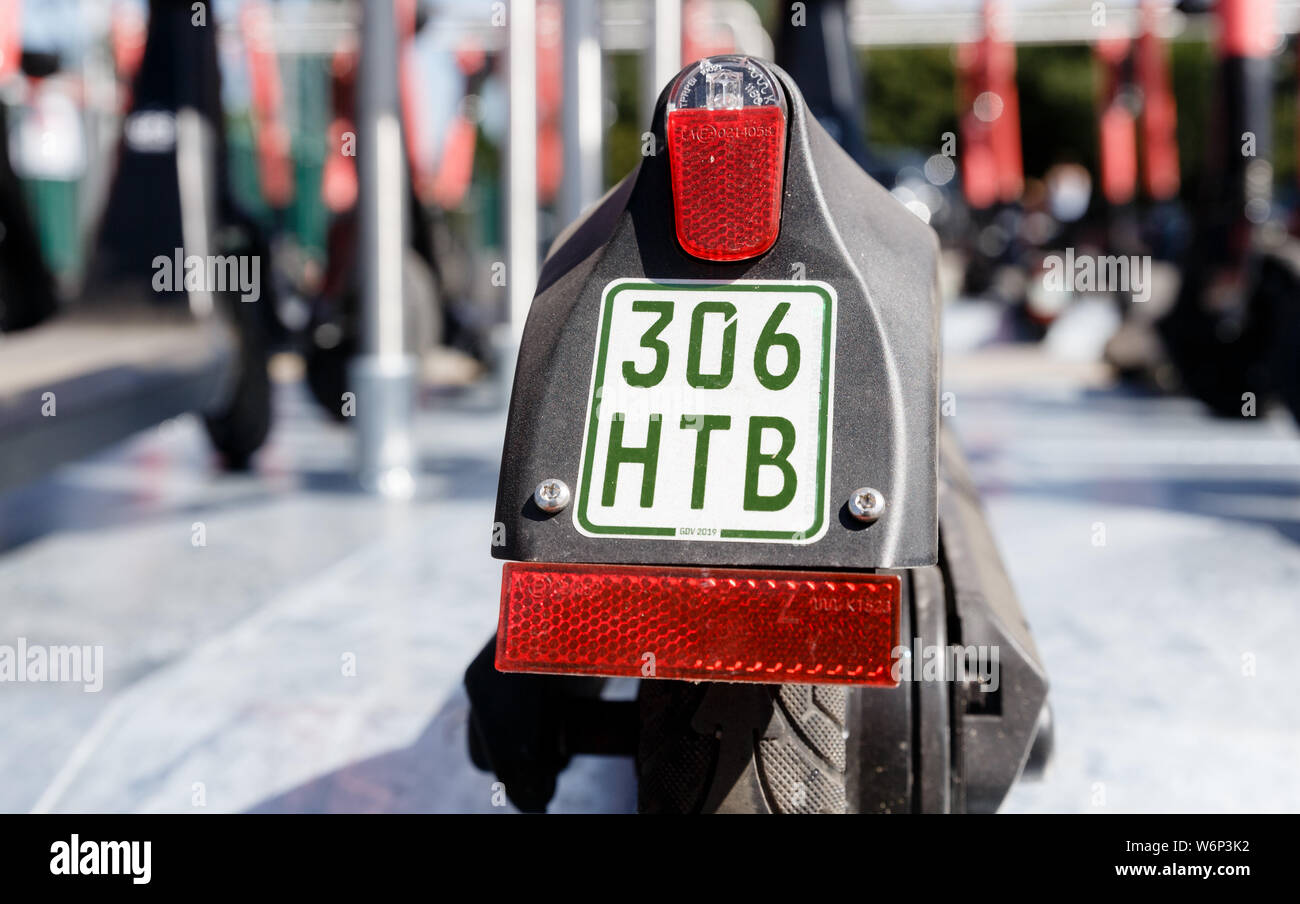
{"points": [[726, 124], [773, 627]]}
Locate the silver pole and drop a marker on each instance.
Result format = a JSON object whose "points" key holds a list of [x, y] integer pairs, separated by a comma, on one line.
{"points": [[521, 163], [383, 374], [663, 58], [584, 104]]}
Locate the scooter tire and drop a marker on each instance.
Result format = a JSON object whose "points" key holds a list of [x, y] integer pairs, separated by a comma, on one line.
{"points": [[742, 748], [240, 429], [327, 368]]}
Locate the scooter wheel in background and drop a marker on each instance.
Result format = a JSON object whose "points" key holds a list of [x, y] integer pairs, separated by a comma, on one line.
{"points": [[1279, 288], [327, 362], [239, 430], [327, 373]]}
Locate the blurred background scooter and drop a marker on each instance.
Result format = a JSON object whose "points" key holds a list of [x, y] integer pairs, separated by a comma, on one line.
{"points": [[128, 351], [1232, 338], [437, 295]]}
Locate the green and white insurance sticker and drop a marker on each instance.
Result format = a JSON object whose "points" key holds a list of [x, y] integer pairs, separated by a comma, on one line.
{"points": [[710, 412]]}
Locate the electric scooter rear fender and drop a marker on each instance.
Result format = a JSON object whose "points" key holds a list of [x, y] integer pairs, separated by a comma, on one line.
{"points": [[839, 227]]}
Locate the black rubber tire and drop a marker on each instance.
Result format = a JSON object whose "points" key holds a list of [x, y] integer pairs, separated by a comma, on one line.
{"points": [[239, 430], [715, 748], [327, 368], [1279, 291], [327, 376]]}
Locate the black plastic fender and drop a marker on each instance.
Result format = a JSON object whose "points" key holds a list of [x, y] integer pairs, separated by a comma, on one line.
{"points": [[839, 227]]}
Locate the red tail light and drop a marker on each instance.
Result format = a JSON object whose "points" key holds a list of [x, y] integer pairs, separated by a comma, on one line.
{"points": [[699, 624], [726, 150]]}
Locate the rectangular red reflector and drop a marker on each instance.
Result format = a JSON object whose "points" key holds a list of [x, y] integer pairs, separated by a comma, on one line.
{"points": [[774, 627]]}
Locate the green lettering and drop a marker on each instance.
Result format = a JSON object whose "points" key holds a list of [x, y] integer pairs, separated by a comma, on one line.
{"points": [[650, 339], [755, 459], [722, 378], [769, 338], [705, 424], [619, 455]]}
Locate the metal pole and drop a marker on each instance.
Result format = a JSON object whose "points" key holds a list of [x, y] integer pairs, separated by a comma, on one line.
{"points": [[384, 374], [664, 56], [584, 102], [521, 163]]}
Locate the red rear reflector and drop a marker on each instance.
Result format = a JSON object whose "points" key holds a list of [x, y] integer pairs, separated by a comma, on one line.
{"points": [[726, 151], [699, 624]]}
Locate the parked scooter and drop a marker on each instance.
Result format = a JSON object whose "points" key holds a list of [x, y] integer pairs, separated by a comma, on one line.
{"points": [[169, 319], [732, 484], [436, 292], [1233, 333]]}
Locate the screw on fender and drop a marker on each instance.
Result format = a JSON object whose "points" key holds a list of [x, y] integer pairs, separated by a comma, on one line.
{"points": [[552, 495], [866, 504]]}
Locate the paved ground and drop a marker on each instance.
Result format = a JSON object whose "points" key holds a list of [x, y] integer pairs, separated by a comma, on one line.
{"points": [[1157, 556], [228, 686]]}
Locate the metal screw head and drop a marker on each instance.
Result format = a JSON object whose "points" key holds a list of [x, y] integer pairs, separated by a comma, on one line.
{"points": [[866, 504], [552, 495]]}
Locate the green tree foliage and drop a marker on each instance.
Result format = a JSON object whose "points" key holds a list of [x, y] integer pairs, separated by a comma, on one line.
{"points": [[911, 100], [910, 96], [623, 137]]}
